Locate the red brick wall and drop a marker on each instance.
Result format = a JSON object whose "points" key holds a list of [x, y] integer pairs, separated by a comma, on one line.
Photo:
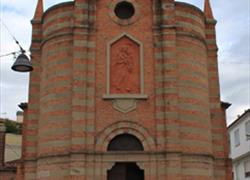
{"points": [[69, 124], [106, 31], [7, 175], [56, 81]]}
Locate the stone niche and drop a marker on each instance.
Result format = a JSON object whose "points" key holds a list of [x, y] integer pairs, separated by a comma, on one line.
{"points": [[125, 75]]}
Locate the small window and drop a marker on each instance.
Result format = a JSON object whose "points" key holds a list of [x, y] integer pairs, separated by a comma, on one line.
{"points": [[229, 143], [237, 137], [247, 168], [124, 10], [248, 130]]}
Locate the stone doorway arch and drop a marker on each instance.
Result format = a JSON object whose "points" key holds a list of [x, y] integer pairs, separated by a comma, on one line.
{"points": [[125, 171]]}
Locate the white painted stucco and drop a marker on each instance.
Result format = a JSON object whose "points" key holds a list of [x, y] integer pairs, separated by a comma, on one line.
{"points": [[240, 153]]}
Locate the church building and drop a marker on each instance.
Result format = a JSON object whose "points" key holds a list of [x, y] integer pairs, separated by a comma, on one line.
{"points": [[124, 90]]}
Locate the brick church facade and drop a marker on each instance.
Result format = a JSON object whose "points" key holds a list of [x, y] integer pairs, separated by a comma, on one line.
{"points": [[124, 90]]}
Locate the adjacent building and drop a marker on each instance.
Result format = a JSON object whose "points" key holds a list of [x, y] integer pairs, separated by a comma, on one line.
{"points": [[19, 116], [13, 146], [239, 137], [10, 151]]}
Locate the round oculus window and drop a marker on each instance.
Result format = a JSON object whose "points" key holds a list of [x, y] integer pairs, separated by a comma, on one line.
{"points": [[124, 10]]}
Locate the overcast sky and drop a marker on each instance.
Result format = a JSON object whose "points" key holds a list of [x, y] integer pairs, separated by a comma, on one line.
{"points": [[233, 40]]}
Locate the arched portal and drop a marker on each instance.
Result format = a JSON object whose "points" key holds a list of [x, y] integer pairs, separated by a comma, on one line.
{"points": [[125, 171]]}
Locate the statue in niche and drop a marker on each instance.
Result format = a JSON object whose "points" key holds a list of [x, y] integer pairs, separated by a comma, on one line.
{"points": [[125, 67]]}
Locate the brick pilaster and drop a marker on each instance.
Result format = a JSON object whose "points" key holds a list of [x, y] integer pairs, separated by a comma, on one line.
{"points": [[31, 119], [83, 87], [214, 88], [166, 75], [20, 167], [217, 113], [167, 105], [83, 99]]}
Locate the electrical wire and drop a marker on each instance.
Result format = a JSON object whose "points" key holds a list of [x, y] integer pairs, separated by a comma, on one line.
{"points": [[237, 63], [16, 41], [11, 53]]}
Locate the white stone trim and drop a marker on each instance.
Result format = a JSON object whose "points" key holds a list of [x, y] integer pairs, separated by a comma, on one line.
{"points": [[125, 96]]}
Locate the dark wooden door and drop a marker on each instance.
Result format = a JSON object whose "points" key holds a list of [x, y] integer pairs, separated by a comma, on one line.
{"points": [[118, 172], [125, 171], [133, 172]]}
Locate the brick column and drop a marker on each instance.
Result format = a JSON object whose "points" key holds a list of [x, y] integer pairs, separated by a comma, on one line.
{"points": [[20, 165], [166, 77], [83, 87], [34, 93], [218, 120], [170, 76], [32, 113], [83, 78]]}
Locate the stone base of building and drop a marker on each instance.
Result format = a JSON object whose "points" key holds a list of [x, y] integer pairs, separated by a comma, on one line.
{"points": [[153, 166]]}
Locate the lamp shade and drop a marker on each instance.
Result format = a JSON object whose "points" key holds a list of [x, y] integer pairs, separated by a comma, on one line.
{"points": [[22, 64]]}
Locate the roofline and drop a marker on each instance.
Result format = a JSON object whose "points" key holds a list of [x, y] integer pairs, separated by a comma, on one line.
{"points": [[62, 4], [238, 119], [191, 6]]}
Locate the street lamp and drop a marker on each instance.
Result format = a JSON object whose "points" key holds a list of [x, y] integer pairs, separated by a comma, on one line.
{"points": [[22, 63]]}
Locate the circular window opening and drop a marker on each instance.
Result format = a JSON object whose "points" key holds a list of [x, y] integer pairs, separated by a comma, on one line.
{"points": [[124, 10]]}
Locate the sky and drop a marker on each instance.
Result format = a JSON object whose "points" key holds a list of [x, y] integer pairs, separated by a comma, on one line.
{"points": [[233, 39]]}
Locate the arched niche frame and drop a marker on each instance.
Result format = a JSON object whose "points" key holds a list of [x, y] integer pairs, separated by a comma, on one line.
{"points": [[125, 72], [104, 138]]}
